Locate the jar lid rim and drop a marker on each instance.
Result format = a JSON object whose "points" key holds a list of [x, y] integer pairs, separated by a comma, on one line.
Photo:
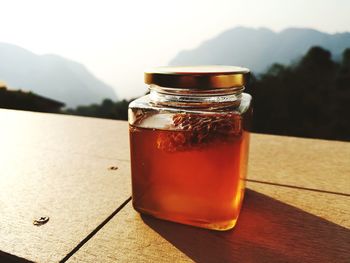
{"points": [[198, 77]]}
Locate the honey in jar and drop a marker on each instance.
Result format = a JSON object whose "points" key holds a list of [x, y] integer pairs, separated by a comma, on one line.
{"points": [[189, 141]]}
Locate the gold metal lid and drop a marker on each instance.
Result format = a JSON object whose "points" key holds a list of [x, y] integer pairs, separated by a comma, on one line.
{"points": [[198, 77]]}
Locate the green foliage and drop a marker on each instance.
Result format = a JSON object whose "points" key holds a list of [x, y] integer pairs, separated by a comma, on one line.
{"points": [[309, 99], [107, 109], [19, 100]]}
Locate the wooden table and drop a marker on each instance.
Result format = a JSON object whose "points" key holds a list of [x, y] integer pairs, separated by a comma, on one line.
{"points": [[76, 172]]}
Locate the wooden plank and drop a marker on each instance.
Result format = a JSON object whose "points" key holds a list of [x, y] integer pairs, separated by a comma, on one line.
{"points": [[310, 163], [277, 224], [99, 138], [279, 159], [58, 166]]}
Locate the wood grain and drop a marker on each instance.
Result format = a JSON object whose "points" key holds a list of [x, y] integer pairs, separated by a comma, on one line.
{"points": [[310, 163], [44, 173], [98, 138], [58, 166], [273, 227]]}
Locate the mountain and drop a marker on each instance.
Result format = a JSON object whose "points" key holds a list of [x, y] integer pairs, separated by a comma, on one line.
{"points": [[257, 49], [51, 76]]}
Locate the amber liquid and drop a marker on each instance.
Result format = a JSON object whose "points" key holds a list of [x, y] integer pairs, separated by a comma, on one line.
{"points": [[199, 184]]}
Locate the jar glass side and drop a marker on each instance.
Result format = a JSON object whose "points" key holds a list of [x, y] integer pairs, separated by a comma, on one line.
{"points": [[189, 162], [145, 113]]}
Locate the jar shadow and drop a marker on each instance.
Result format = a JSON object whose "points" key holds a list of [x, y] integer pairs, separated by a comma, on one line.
{"points": [[267, 231]]}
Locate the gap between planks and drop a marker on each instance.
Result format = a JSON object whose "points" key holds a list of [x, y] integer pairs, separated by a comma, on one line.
{"points": [[94, 232], [297, 187], [99, 227]]}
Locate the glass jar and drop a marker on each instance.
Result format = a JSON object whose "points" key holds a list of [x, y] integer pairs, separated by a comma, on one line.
{"points": [[189, 143]]}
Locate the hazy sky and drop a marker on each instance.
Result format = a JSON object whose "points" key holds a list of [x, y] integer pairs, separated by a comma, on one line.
{"points": [[116, 40]]}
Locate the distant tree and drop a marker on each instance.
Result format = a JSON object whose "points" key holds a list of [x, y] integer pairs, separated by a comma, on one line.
{"points": [[20, 100], [317, 58], [304, 99], [342, 98], [107, 109], [346, 60], [276, 70]]}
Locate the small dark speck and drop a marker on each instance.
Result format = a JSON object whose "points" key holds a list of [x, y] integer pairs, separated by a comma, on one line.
{"points": [[113, 168], [41, 221]]}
